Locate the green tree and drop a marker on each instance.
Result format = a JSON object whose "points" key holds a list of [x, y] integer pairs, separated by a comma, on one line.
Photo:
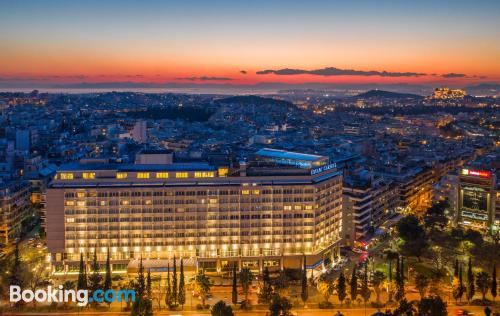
{"points": [[326, 288], [365, 290], [377, 280], [483, 283], [354, 285], [421, 283], [494, 282], [246, 277], [95, 277], [16, 275], [107, 277], [304, 295], [281, 283], [140, 282], [341, 288], [68, 285], [182, 287], [459, 288], [391, 256], [234, 290], [455, 269], [432, 306], [279, 306], [148, 284], [82, 275], [413, 235], [400, 285], [405, 308], [174, 283], [202, 286], [470, 282], [487, 311], [266, 291], [221, 309], [168, 294], [142, 306]]}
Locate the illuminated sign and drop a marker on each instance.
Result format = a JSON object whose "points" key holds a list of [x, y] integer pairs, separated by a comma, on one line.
{"points": [[323, 168], [476, 173]]}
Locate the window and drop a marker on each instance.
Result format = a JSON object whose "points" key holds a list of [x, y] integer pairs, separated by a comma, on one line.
{"points": [[223, 172], [80, 194], [162, 175], [121, 175], [88, 175], [70, 220], [287, 208], [181, 174], [143, 175], [245, 192], [204, 174], [66, 176]]}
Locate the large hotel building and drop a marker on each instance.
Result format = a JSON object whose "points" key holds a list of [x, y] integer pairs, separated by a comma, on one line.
{"points": [[269, 211]]}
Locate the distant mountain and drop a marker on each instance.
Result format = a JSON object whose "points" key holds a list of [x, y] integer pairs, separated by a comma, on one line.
{"points": [[254, 100], [387, 95], [484, 89]]}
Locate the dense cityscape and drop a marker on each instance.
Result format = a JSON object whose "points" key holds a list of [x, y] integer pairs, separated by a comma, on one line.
{"points": [[258, 158], [302, 197]]}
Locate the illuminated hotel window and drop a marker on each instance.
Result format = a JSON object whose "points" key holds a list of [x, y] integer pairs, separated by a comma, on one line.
{"points": [[70, 203], [309, 207], [204, 174], [181, 174], [287, 208], [80, 194], [80, 203], [66, 176], [143, 175], [298, 207], [88, 175], [70, 220], [223, 172], [245, 192], [121, 175], [212, 201], [162, 175], [256, 192]]}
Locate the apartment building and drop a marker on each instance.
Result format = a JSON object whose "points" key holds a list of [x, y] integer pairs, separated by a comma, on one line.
{"points": [[14, 209], [367, 202]]}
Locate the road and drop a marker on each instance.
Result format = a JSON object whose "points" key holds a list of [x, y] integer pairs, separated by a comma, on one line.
{"points": [[476, 310]]}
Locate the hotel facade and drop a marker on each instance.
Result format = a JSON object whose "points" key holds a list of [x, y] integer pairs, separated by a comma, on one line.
{"points": [[262, 214]]}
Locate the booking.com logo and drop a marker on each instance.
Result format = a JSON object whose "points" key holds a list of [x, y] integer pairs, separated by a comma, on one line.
{"points": [[61, 295]]}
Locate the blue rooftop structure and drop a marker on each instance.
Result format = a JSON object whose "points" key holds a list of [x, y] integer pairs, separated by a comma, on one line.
{"points": [[290, 158]]}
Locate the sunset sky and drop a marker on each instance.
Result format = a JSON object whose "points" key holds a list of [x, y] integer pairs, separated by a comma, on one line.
{"points": [[232, 41]]}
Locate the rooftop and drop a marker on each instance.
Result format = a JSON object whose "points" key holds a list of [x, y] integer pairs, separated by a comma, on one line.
{"points": [[276, 153], [198, 166]]}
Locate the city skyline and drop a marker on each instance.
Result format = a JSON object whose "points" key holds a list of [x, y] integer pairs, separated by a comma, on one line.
{"points": [[249, 44]]}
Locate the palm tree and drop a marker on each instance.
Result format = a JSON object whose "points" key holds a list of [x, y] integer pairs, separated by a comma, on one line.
{"points": [[202, 286], [246, 277], [68, 285], [326, 288], [377, 279]]}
